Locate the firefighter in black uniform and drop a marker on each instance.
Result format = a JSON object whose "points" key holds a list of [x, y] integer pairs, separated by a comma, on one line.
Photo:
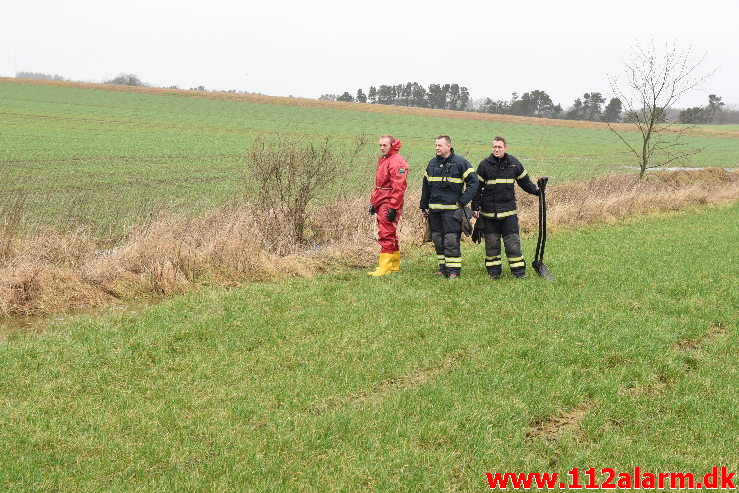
{"points": [[495, 205], [449, 184]]}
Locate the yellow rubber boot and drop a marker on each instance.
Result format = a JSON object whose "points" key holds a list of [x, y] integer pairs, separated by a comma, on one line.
{"points": [[383, 266], [395, 262]]}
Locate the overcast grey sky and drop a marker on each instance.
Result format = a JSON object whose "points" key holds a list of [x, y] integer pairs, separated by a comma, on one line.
{"points": [[283, 48]]}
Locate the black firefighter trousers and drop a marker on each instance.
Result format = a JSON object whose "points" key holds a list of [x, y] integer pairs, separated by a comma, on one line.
{"points": [[507, 229], [446, 230]]}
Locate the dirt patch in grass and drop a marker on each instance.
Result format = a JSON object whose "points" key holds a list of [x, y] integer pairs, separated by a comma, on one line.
{"points": [[715, 331], [363, 107], [51, 271], [553, 427]]}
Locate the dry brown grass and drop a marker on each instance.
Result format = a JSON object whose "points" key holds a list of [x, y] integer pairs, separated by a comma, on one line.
{"points": [[612, 198], [51, 271], [369, 108]]}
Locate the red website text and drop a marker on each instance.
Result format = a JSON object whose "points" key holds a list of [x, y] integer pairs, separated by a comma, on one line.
{"points": [[607, 478]]}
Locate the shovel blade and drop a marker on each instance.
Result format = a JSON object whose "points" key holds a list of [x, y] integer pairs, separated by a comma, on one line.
{"points": [[542, 270]]}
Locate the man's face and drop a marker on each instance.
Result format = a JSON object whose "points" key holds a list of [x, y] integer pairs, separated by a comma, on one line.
{"points": [[499, 148], [443, 148], [384, 146]]}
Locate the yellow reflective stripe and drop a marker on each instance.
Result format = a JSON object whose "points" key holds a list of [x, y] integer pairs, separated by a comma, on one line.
{"points": [[443, 206], [441, 178], [498, 215], [497, 257], [517, 264], [480, 178], [515, 259], [426, 175], [493, 263], [467, 173], [522, 175], [499, 180]]}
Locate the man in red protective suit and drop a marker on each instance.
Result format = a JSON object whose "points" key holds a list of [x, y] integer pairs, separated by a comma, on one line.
{"points": [[387, 203]]}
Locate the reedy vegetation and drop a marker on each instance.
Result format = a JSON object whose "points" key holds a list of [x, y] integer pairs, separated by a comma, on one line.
{"points": [[52, 270]]}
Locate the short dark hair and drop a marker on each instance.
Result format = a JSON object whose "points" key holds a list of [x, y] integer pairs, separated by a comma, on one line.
{"points": [[445, 137], [500, 139], [388, 136]]}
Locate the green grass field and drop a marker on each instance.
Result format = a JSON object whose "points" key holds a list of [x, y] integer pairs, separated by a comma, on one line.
{"points": [[732, 127], [108, 158], [404, 383]]}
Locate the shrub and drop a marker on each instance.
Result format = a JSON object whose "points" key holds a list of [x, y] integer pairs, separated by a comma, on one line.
{"points": [[288, 173]]}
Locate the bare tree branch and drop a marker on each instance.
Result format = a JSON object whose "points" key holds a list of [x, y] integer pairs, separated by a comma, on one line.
{"points": [[654, 82]]}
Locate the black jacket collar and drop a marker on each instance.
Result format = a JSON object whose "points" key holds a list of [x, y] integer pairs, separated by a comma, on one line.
{"points": [[497, 161], [441, 160]]}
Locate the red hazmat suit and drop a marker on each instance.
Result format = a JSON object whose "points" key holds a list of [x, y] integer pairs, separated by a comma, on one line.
{"points": [[390, 185]]}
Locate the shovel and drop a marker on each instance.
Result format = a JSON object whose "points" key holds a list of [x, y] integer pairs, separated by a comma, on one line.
{"points": [[538, 263]]}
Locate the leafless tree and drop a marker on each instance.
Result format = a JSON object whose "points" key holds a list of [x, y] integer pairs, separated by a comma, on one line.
{"points": [[290, 173], [655, 80]]}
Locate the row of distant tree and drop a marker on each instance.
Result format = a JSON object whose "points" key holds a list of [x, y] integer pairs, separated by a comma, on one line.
{"points": [[39, 76], [704, 114], [591, 107], [440, 96], [455, 97], [122, 79]]}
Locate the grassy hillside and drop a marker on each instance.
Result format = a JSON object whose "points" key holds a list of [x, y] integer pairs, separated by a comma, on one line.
{"points": [[404, 383], [108, 156]]}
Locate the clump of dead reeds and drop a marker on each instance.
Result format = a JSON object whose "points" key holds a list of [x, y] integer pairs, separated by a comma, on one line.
{"points": [[50, 270], [43, 272], [609, 199]]}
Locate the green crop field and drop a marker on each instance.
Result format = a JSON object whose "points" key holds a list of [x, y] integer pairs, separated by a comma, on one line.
{"points": [[730, 127], [342, 382], [108, 158], [398, 384]]}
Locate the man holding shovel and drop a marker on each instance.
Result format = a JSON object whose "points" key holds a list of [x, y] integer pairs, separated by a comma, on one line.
{"points": [[495, 205]]}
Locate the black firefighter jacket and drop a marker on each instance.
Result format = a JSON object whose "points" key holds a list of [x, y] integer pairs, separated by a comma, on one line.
{"points": [[447, 182], [496, 195]]}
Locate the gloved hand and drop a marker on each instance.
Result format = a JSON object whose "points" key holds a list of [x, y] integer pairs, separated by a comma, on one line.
{"points": [[371, 209], [391, 215], [477, 234]]}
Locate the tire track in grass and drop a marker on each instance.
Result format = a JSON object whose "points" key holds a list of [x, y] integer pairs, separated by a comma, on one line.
{"points": [[566, 422], [693, 346], [382, 389]]}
